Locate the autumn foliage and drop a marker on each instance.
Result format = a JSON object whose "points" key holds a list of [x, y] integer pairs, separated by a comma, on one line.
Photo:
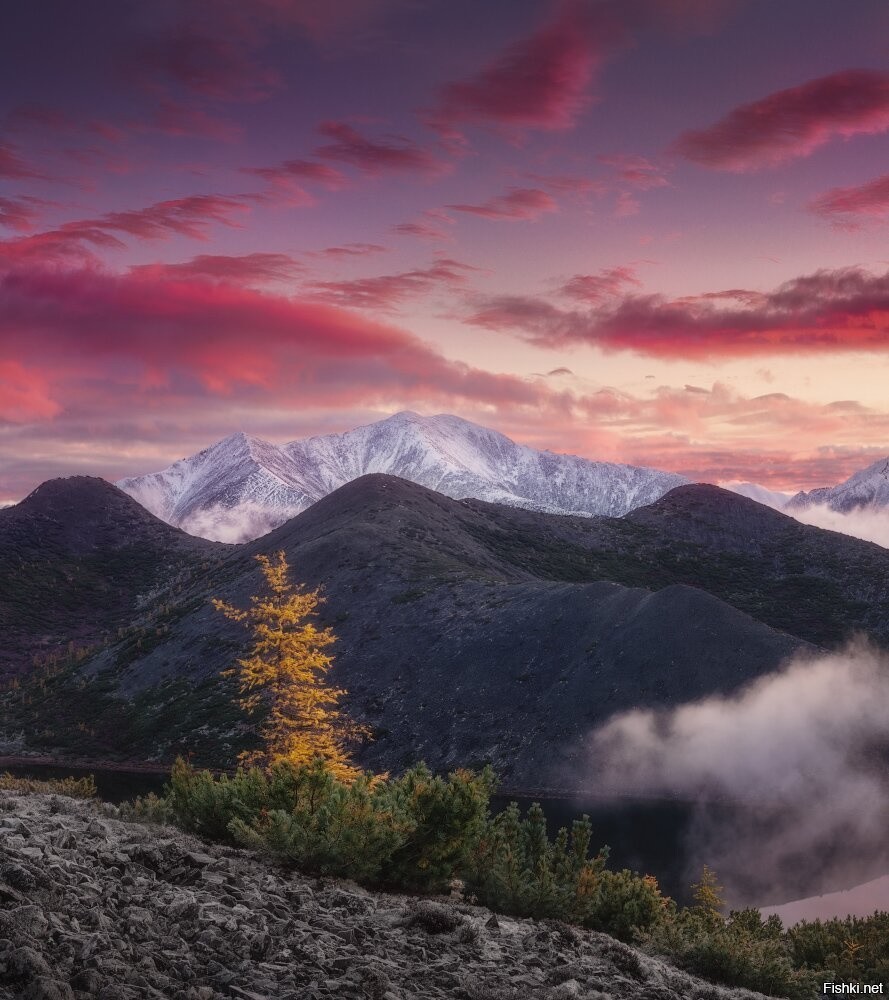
{"points": [[286, 670]]}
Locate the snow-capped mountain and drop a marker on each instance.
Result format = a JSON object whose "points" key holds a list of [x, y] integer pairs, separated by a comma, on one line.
{"points": [[867, 488], [242, 486], [761, 494]]}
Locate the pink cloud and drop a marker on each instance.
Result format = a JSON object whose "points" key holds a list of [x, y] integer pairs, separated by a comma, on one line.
{"points": [[13, 167], [851, 206], [429, 226], [610, 281], [20, 213], [517, 204], [389, 290], [635, 171], [792, 123], [537, 82], [200, 338], [24, 395], [391, 154], [349, 250], [302, 171], [625, 205], [57, 247], [422, 231], [828, 311], [247, 269], [72, 241]]}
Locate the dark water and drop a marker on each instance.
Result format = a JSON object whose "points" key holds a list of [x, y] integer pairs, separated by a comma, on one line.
{"points": [[643, 836], [113, 786]]}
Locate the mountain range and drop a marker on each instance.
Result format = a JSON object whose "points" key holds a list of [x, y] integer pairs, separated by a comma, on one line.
{"points": [[868, 488], [242, 487], [468, 632]]}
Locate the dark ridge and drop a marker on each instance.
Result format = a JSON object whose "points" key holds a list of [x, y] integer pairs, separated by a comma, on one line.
{"points": [[84, 513], [77, 555]]}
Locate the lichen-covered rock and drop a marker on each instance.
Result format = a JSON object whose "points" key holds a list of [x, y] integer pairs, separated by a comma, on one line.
{"points": [[120, 910]]}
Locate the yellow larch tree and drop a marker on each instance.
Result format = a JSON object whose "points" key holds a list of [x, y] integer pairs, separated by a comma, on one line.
{"points": [[286, 668]]}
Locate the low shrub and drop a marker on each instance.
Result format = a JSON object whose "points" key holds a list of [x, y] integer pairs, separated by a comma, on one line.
{"points": [[75, 788]]}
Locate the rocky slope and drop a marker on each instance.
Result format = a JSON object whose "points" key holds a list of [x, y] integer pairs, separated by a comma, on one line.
{"points": [[242, 487], [94, 907]]}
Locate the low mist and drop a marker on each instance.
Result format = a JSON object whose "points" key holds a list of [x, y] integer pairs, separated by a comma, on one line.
{"points": [[793, 769], [243, 523], [869, 523]]}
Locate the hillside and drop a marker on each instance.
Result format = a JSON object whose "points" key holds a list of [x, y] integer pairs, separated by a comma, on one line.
{"points": [[467, 632], [79, 557]]}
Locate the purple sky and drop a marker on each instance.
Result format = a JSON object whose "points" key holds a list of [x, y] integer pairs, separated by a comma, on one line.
{"points": [[651, 231]]}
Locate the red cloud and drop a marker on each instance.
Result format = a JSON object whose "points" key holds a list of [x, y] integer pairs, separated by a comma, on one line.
{"points": [[538, 82], [848, 206], [247, 269], [24, 395], [349, 250], [609, 282], [300, 170], [19, 213], [516, 204], [792, 123], [843, 310], [189, 216], [388, 290], [200, 337], [392, 154], [422, 231], [12, 166]]}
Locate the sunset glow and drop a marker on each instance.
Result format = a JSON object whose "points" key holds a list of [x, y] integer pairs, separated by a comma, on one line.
{"points": [[647, 231]]}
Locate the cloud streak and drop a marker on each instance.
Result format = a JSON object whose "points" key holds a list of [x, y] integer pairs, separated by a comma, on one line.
{"points": [[791, 123], [828, 311], [392, 154], [518, 204], [537, 82], [387, 291], [850, 207]]}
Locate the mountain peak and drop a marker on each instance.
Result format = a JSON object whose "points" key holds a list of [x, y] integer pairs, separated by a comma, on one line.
{"points": [[444, 453]]}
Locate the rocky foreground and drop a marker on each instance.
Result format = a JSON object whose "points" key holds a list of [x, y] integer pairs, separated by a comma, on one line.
{"points": [[94, 907]]}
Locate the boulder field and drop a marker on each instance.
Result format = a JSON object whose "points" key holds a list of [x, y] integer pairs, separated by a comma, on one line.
{"points": [[91, 906]]}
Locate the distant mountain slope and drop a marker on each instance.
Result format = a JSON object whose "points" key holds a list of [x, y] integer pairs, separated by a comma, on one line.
{"points": [[867, 488], [761, 494], [467, 632], [242, 487], [76, 555]]}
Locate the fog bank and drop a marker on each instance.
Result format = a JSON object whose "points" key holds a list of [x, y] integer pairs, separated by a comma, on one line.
{"points": [[869, 523], [797, 761]]}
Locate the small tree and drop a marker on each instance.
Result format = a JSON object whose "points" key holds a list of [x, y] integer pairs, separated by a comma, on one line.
{"points": [[286, 669]]}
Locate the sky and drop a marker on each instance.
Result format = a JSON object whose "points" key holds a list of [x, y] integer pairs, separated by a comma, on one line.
{"points": [[645, 231]]}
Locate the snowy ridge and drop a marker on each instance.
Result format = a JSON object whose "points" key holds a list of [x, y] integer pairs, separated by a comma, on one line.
{"points": [[867, 488], [242, 487]]}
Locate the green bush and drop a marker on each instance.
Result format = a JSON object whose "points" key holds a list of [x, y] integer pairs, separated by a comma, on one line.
{"points": [[742, 950]]}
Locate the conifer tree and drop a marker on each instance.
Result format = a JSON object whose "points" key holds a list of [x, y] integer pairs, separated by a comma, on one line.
{"points": [[286, 668]]}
